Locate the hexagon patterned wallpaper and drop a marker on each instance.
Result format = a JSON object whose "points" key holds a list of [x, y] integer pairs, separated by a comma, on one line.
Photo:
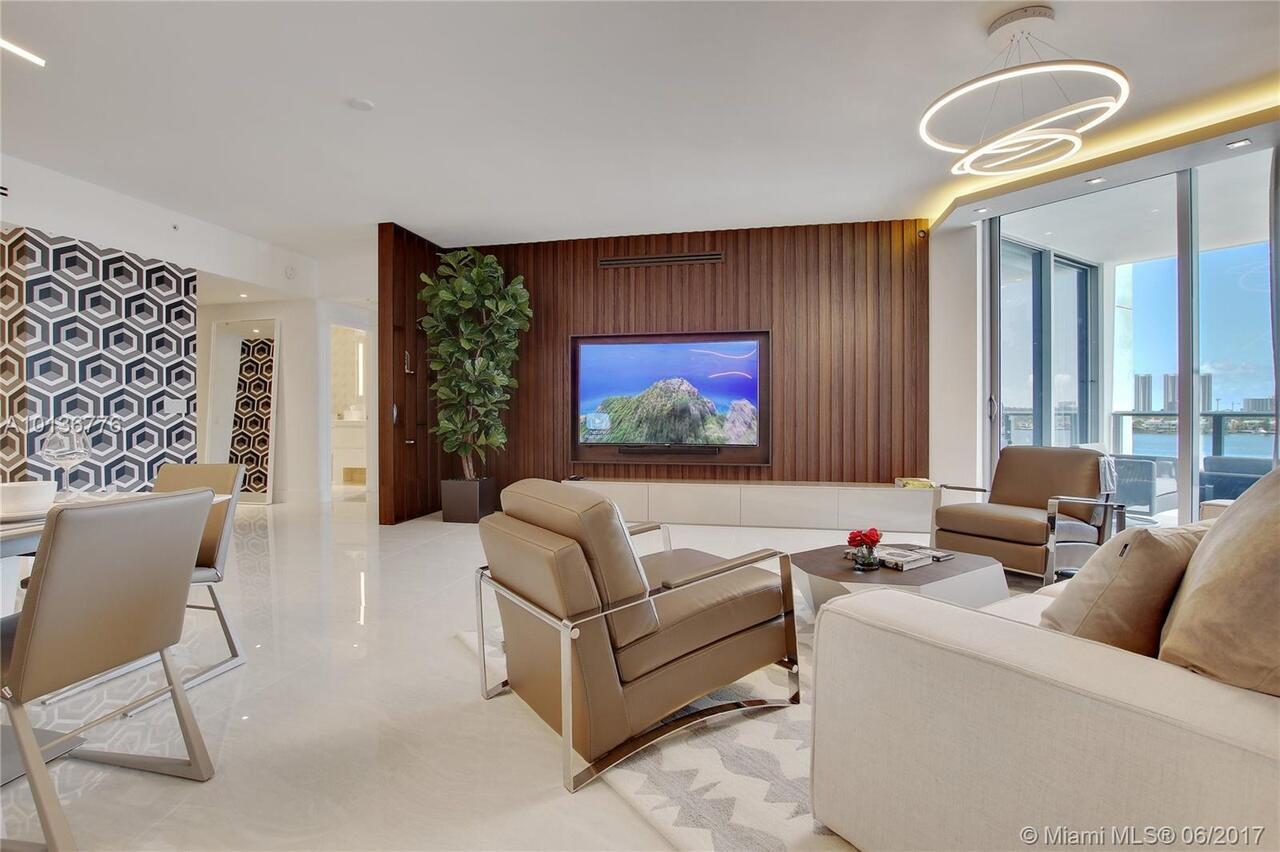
{"points": [[99, 334], [251, 424]]}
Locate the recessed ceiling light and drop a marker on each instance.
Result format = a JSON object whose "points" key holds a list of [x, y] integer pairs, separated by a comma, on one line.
{"points": [[1096, 180], [244, 295], [360, 104], [257, 331], [1239, 143], [1048, 233], [1155, 209], [18, 51], [981, 210]]}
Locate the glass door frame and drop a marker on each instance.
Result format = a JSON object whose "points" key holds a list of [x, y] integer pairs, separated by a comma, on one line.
{"points": [[1188, 303], [1045, 259]]}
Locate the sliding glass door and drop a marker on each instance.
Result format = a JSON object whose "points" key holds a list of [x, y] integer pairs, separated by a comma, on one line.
{"points": [[1143, 413], [1070, 365], [1160, 349], [1235, 400], [1020, 368], [1046, 376]]}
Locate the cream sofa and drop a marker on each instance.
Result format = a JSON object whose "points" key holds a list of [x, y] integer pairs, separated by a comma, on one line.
{"points": [[940, 727]]}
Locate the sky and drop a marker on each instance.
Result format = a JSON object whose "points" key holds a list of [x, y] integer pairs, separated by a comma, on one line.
{"points": [[1235, 326], [1235, 322]]}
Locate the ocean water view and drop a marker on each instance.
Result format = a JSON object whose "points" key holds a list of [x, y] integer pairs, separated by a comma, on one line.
{"points": [[1234, 444], [1166, 443]]}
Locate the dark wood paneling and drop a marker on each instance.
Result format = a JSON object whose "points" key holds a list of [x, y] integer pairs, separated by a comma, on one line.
{"points": [[409, 460], [847, 309]]}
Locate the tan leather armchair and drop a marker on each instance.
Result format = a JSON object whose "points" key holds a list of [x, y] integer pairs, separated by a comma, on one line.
{"points": [[99, 599], [1041, 499], [604, 645]]}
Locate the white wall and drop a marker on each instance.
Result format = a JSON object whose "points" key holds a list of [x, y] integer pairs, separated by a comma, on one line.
{"points": [[301, 409], [351, 276], [957, 362], [61, 205]]}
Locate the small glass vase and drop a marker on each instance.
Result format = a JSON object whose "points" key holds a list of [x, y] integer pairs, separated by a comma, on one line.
{"points": [[865, 559]]}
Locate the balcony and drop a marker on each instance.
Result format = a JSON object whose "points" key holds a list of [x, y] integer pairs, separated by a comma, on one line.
{"points": [[1235, 451]]}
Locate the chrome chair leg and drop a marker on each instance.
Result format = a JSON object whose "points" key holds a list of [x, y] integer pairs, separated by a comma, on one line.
{"points": [[486, 691], [234, 660]]}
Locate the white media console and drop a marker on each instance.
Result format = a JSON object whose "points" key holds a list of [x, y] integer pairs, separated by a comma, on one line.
{"points": [[804, 505]]}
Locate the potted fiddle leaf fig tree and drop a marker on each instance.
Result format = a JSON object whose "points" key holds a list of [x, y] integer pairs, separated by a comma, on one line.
{"points": [[473, 323]]}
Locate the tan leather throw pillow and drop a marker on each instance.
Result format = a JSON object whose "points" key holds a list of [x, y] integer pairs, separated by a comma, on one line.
{"points": [[1122, 594], [1224, 621]]}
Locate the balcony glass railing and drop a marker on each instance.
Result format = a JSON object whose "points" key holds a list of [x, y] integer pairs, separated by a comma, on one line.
{"points": [[1222, 434], [1235, 451]]}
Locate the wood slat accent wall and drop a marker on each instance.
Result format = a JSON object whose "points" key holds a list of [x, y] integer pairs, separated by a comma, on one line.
{"points": [[409, 459], [847, 307]]}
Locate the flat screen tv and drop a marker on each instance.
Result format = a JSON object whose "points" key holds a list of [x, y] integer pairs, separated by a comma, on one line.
{"points": [[672, 398]]}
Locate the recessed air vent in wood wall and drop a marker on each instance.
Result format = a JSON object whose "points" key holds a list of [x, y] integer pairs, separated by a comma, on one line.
{"points": [[661, 259]]}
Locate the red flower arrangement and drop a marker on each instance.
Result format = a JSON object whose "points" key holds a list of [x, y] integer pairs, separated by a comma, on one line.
{"points": [[864, 538]]}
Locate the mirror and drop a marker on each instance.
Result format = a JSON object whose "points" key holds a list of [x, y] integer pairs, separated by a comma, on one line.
{"points": [[242, 402]]}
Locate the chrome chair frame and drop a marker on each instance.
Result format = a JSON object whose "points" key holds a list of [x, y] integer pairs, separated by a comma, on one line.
{"points": [[1113, 521], [568, 629]]}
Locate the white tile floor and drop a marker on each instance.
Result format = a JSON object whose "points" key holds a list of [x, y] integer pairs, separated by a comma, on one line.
{"points": [[357, 722]]}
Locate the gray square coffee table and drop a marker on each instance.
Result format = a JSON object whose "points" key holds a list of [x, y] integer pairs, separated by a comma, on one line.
{"points": [[968, 580]]}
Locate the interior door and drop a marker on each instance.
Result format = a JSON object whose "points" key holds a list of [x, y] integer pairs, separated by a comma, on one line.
{"points": [[409, 460]]}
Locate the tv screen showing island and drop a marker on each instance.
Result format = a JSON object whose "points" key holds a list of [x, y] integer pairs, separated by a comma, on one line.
{"points": [[685, 392]]}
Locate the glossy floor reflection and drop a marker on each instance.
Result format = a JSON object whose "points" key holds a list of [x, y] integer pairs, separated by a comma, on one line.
{"points": [[357, 722]]}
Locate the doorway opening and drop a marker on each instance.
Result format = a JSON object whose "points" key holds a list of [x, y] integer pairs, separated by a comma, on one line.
{"points": [[349, 414]]}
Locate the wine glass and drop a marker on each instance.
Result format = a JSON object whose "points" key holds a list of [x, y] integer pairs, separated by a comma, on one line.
{"points": [[66, 447]]}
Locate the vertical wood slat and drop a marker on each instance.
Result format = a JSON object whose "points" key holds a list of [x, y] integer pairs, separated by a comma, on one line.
{"points": [[847, 309], [408, 473]]}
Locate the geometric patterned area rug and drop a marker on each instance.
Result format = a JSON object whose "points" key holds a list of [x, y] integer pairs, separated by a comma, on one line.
{"points": [[739, 782]]}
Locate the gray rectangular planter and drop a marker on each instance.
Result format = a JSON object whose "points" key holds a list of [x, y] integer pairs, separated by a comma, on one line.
{"points": [[466, 501]]}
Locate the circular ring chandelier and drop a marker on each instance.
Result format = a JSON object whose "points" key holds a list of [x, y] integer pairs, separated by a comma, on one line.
{"points": [[1038, 142]]}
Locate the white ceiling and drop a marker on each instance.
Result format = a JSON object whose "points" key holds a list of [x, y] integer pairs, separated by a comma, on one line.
{"points": [[504, 122], [1138, 221], [219, 290], [248, 329]]}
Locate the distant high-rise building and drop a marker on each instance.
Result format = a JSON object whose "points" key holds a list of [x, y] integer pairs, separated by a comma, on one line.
{"points": [[1170, 391], [1260, 404], [1204, 382], [1142, 392]]}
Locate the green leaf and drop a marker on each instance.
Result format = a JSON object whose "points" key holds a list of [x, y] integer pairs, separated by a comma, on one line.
{"points": [[473, 322]]}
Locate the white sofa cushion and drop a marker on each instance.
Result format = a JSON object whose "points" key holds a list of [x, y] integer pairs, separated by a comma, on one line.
{"points": [[966, 728]]}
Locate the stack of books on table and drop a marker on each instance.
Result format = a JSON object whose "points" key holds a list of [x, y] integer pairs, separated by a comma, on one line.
{"points": [[902, 559]]}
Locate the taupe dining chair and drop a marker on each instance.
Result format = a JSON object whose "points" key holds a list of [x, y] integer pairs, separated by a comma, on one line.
{"points": [[210, 565], [604, 645], [99, 599]]}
